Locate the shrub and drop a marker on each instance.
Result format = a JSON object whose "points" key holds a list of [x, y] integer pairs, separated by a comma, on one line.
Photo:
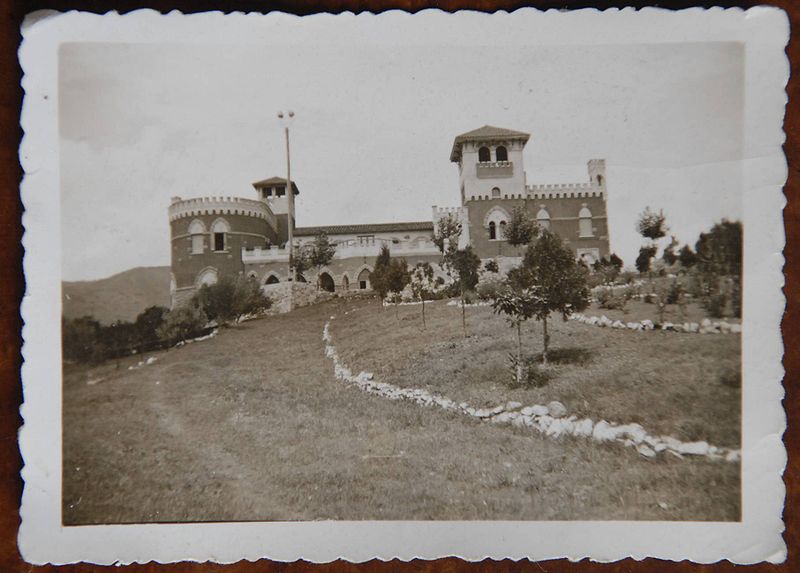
{"points": [[674, 293], [491, 266], [183, 323], [470, 297], [606, 298], [231, 298], [489, 288]]}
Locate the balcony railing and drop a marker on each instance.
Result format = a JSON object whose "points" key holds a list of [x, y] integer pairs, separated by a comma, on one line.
{"points": [[494, 169], [345, 251]]}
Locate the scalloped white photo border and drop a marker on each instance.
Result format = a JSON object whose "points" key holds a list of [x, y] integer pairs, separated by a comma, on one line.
{"points": [[764, 31]]}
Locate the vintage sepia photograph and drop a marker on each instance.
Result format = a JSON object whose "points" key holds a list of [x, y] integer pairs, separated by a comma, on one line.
{"points": [[340, 270], [512, 293]]}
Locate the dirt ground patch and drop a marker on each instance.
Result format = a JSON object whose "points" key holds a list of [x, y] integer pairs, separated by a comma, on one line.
{"points": [[252, 425]]}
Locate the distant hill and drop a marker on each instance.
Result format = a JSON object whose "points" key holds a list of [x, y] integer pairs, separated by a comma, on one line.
{"points": [[119, 297]]}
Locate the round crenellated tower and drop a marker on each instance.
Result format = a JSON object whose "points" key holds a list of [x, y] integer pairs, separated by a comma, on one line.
{"points": [[208, 235]]}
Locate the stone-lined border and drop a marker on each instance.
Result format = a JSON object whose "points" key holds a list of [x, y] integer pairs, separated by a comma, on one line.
{"points": [[548, 420], [706, 326]]}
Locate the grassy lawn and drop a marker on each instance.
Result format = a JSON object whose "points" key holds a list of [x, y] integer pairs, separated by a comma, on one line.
{"points": [[252, 425], [637, 310]]}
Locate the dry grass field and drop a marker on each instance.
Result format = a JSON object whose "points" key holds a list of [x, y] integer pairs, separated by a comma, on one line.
{"points": [[252, 425]]}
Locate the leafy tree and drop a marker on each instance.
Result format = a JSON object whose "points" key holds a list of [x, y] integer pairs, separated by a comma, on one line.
{"points": [[80, 339], [183, 323], [379, 277], [491, 266], [232, 298], [720, 250], [119, 338], [148, 323], [557, 282], [520, 230], [320, 253], [423, 285], [687, 257], [651, 225], [465, 263], [448, 231], [397, 279], [608, 267], [644, 259], [669, 256], [719, 266]]}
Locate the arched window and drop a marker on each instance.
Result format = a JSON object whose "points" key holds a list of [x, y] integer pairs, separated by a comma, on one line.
{"points": [[585, 223], [208, 276], [484, 154], [501, 153], [219, 231], [600, 180], [543, 218], [502, 230], [197, 230], [272, 280], [492, 231], [495, 192]]}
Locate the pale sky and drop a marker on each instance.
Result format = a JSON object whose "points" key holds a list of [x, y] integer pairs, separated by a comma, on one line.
{"points": [[373, 130]]}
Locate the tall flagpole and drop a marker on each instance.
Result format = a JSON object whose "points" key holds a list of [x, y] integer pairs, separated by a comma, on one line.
{"points": [[290, 196]]}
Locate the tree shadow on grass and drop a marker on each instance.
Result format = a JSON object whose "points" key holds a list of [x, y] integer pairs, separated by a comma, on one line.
{"points": [[569, 355]]}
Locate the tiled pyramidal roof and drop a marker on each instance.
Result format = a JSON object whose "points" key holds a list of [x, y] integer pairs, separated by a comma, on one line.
{"points": [[485, 133]]}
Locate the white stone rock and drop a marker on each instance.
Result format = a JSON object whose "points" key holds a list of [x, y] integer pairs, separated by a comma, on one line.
{"points": [[736, 328], [648, 324], [513, 405], [646, 451], [667, 326], [618, 324], [705, 322], [733, 456], [535, 410], [150, 360], [693, 448], [603, 432], [556, 409], [583, 428]]}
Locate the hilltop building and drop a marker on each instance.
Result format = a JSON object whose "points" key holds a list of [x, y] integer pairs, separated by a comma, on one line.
{"points": [[216, 236]]}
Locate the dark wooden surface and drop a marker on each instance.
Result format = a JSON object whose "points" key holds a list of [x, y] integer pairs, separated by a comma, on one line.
{"points": [[12, 286]]}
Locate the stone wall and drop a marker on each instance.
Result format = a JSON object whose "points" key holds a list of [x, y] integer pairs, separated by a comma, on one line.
{"points": [[289, 296]]}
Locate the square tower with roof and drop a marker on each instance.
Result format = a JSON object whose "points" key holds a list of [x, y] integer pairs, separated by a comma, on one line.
{"points": [[492, 183]]}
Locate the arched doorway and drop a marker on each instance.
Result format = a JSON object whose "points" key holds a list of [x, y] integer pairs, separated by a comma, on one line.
{"points": [[326, 282], [272, 280], [345, 283], [363, 280]]}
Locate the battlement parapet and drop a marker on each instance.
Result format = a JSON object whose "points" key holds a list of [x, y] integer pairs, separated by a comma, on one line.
{"points": [[549, 191], [181, 208]]}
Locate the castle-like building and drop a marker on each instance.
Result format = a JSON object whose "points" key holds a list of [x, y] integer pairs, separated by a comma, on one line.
{"points": [[217, 236]]}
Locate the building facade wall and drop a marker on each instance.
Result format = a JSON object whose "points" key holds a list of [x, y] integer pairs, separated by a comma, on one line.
{"points": [[245, 232], [564, 220]]}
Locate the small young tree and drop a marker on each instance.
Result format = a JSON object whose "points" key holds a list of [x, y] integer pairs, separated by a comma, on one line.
{"points": [[652, 227], [397, 279], [520, 229], [320, 253], [465, 263], [518, 305], [558, 282], [448, 231], [423, 285], [379, 277]]}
